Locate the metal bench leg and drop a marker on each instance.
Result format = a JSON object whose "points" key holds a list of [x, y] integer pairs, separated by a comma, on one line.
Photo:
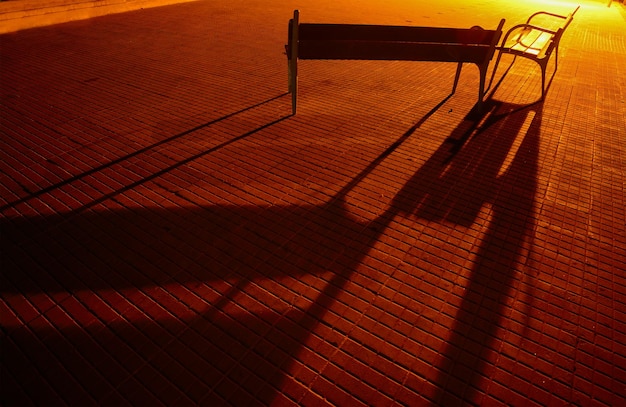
{"points": [[543, 81], [556, 58], [481, 88], [544, 67], [456, 77], [293, 61], [495, 68]]}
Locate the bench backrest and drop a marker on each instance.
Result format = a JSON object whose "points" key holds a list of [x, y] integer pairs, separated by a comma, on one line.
{"points": [[379, 42]]}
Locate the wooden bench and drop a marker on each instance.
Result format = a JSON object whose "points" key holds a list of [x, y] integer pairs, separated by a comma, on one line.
{"points": [[378, 42], [535, 42]]}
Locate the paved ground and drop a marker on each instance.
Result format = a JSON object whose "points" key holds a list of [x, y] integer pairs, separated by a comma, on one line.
{"points": [[172, 235], [18, 15]]}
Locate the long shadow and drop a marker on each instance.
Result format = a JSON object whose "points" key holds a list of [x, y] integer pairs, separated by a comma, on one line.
{"points": [[503, 251], [143, 150], [490, 159], [250, 284], [120, 264], [214, 305]]}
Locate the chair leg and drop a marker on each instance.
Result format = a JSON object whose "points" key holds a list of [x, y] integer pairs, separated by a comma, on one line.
{"points": [[543, 80], [556, 58], [495, 68]]}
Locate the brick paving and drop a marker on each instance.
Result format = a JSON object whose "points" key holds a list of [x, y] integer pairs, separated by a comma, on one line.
{"points": [[171, 235], [18, 15]]}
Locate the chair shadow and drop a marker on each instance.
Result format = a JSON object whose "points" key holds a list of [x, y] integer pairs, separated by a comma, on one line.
{"points": [[490, 159]]}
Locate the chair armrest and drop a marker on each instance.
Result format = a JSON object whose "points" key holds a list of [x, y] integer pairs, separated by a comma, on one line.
{"points": [[539, 13], [524, 27], [552, 15], [532, 27]]}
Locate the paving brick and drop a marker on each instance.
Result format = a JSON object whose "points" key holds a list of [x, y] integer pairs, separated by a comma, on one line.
{"points": [[133, 392], [167, 221], [27, 378]]}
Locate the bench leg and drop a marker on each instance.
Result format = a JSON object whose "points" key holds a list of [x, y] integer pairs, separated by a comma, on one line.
{"points": [[481, 87], [293, 83], [495, 68], [293, 61], [289, 74], [456, 77], [556, 58], [543, 81], [544, 67]]}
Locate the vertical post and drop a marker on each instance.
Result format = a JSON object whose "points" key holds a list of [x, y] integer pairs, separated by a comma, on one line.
{"points": [[293, 61]]}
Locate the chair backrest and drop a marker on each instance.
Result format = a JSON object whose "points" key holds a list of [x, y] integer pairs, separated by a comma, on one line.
{"points": [[563, 27]]}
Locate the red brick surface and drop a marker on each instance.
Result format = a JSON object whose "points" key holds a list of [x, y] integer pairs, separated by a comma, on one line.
{"points": [[172, 235]]}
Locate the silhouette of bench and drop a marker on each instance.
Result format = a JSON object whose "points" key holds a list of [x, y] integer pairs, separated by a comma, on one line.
{"points": [[399, 43], [535, 42]]}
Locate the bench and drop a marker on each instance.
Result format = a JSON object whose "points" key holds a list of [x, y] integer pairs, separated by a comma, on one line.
{"points": [[535, 42], [399, 43]]}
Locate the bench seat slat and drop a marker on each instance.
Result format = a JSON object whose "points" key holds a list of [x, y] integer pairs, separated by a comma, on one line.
{"points": [[358, 32]]}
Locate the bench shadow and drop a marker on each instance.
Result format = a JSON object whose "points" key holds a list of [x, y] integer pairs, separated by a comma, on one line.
{"points": [[201, 305], [491, 160], [146, 149], [214, 305]]}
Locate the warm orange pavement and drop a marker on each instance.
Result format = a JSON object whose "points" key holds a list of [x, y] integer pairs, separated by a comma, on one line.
{"points": [[18, 15], [171, 235]]}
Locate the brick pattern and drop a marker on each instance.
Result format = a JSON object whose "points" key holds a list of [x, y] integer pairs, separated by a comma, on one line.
{"points": [[171, 236]]}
